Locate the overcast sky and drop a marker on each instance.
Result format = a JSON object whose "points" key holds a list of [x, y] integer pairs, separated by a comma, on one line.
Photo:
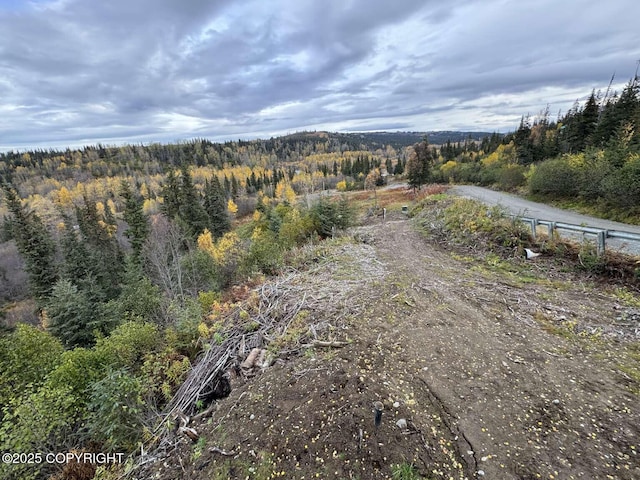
{"points": [[76, 72]]}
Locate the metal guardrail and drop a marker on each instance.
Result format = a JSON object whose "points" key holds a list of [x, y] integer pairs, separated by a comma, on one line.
{"points": [[600, 234]]}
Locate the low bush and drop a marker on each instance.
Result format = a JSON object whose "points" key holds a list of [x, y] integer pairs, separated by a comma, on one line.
{"points": [[556, 177], [470, 223]]}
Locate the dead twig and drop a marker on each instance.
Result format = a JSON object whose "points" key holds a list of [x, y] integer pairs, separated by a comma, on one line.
{"points": [[325, 344], [222, 452]]}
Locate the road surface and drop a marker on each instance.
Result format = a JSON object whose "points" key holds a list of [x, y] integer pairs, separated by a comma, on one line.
{"points": [[520, 206]]}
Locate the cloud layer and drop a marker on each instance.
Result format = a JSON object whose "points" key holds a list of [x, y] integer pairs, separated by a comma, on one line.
{"points": [[79, 71]]}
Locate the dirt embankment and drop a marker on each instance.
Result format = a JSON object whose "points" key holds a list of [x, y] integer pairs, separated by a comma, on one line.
{"points": [[482, 373]]}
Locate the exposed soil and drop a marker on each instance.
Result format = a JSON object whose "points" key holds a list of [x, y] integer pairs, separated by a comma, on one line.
{"points": [[495, 377]]}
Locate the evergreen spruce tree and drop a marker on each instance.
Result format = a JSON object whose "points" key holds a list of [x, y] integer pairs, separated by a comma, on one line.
{"points": [[171, 195], [589, 121], [234, 187], [105, 253], [215, 206], [35, 244], [227, 187], [138, 224], [191, 211], [77, 263], [399, 168], [70, 315]]}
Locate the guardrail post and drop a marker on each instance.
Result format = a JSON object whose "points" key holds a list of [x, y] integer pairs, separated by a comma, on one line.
{"points": [[602, 235], [551, 226], [534, 222]]}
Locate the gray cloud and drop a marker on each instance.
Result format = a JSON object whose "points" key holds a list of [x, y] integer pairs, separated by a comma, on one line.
{"points": [[79, 71]]}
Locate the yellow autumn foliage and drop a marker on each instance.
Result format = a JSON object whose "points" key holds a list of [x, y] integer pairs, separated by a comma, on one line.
{"points": [[232, 207], [285, 193], [223, 248], [503, 155], [64, 197]]}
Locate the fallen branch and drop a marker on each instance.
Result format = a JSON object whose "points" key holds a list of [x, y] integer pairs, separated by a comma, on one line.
{"points": [[222, 452], [205, 414], [183, 429], [325, 344]]}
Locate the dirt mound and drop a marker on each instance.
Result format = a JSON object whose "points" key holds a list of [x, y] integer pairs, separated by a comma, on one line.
{"points": [[483, 373]]}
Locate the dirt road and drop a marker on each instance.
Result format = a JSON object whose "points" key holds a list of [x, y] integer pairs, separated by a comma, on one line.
{"points": [[483, 373], [527, 403]]}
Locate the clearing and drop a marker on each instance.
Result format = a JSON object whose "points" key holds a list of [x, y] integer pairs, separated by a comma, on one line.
{"points": [[484, 372]]}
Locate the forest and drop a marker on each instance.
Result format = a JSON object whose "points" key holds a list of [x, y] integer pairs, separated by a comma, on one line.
{"points": [[117, 262]]}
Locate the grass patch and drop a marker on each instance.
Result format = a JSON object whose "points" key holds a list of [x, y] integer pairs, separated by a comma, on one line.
{"points": [[630, 367], [472, 226], [404, 471]]}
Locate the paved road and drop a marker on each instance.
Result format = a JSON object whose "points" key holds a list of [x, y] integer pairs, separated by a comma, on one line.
{"points": [[526, 208]]}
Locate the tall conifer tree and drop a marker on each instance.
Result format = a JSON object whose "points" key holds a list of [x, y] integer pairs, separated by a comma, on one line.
{"points": [[35, 244]]}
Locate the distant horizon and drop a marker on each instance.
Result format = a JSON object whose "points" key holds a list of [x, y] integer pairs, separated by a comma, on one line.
{"points": [[192, 139]]}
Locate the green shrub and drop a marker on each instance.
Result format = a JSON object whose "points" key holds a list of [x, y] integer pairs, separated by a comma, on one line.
{"points": [[329, 216], [43, 421], [202, 273], [139, 300], [511, 176], [295, 229], [265, 253], [27, 355], [116, 411], [622, 187], [162, 374], [556, 178], [128, 343], [184, 335]]}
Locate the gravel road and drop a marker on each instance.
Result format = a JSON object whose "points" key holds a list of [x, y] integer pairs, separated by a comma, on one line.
{"points": [[526, 208]]}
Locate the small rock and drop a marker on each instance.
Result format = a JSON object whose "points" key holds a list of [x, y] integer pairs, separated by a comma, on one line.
{"points": [[484, 459], [252, 416], [556, 402], [401, 424], [396, 404], [481, 473]]}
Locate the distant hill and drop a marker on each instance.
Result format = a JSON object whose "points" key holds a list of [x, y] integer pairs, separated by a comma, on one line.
{"points": [[404, 139], [375, 140]]}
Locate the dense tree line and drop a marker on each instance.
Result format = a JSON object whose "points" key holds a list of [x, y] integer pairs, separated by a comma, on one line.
{"points": [[591, 154], [100, 161]]}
